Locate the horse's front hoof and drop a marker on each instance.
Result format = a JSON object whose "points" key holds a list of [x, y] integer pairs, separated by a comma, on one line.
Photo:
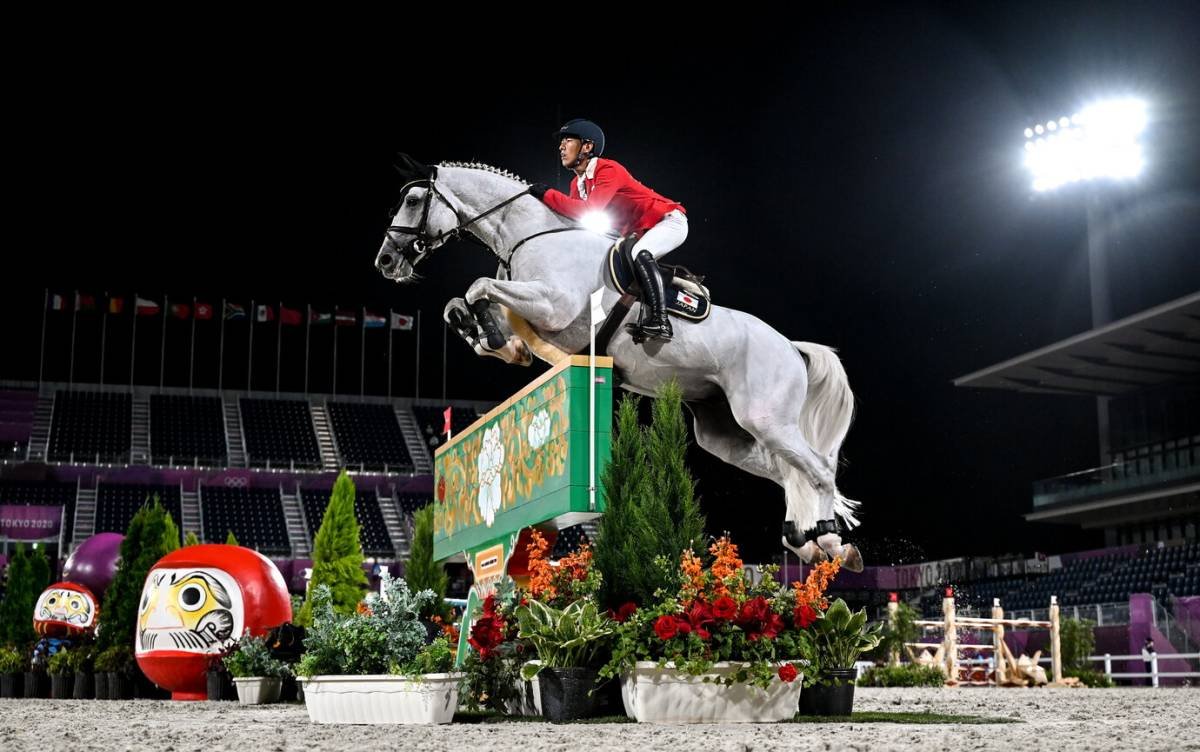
{"points": [[851, 558]]}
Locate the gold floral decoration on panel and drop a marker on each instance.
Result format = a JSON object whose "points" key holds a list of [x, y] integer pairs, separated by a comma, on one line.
{"points": [[525, 468]]}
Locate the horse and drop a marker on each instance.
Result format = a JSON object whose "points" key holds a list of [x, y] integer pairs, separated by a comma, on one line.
{"points": [[773, 407]]}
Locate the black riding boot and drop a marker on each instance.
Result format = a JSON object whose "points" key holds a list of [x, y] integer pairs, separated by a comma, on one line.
{"points": [[653, 322]]}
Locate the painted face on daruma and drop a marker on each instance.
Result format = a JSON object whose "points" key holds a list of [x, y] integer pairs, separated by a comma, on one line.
{"points": [[195, 610], [65, 610]]}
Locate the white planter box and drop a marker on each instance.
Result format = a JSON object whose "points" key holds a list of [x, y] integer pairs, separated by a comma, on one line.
{"points": [[665, 695], [258, 690], [430, 698]]}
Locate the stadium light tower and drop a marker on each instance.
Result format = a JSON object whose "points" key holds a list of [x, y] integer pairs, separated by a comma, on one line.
{"points": [[1099, 144]]}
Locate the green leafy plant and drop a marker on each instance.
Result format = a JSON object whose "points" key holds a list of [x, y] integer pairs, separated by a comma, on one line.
{"points": [[897, 632], [435, 658], [562, 638], [252, 657], [115, 660], [60, 664], [380, 637], [11, 661], [839, 638], [81, 659], [906, 675], [191, 539]]}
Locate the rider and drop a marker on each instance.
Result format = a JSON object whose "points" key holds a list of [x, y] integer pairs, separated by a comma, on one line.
{"points": [[606, 184]]}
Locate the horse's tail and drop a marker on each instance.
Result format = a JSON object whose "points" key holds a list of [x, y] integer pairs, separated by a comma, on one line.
{"points": [[828, 412]]}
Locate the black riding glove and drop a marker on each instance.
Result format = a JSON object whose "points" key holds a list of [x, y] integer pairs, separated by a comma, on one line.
{"points": [[538, 190]]}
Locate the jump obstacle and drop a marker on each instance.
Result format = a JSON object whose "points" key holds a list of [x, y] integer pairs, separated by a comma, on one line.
{"points": [[1008, 670]]}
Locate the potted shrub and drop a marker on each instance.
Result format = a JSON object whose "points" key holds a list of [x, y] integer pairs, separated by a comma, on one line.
{"points": [[839, 638], [62, 675], [716, 647], [566, 642], [257, 675], [492, 670], [116, 665], [373, 666], [81, 662], [219, 682], [12, 673], [37, 681]]}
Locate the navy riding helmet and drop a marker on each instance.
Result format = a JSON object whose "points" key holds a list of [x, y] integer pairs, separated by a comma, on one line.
{"points": [[584, 130]]}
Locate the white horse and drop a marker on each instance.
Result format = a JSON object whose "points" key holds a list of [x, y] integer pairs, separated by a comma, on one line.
{"points": [[775, 408]]}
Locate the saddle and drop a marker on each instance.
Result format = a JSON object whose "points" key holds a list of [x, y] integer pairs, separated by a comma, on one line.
{"points": [[686, 295]]}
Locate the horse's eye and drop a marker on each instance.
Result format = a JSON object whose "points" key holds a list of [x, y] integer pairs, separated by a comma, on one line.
{"points": [[412, 201]]}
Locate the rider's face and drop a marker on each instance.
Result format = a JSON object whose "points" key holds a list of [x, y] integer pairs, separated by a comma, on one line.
{"points": [[568, 150]]}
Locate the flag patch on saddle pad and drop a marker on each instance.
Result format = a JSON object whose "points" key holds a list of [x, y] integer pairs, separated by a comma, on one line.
{"points": [[687, 301]]}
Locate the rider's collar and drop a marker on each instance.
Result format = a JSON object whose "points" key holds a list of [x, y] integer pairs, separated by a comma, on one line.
{"points": [[589, 173]]}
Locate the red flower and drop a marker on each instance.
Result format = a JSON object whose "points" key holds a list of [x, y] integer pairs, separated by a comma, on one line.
{"points": [[489, 605], [486, 635], [624, 612], [788, 673], [772, 626], [754, 610], [724, 608], [666, 627], [682, 625], [804, 615]]}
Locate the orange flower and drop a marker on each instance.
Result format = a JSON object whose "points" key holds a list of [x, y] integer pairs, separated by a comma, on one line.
{"points": [[727, 564], [812, 590], [541, 574], [693, 576]]}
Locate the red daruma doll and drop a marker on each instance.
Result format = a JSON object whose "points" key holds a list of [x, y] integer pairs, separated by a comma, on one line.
{"points": [[65, 610], [196, 603]]}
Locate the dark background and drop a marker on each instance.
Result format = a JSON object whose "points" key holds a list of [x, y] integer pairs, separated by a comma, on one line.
{"points": [[853, 178]]}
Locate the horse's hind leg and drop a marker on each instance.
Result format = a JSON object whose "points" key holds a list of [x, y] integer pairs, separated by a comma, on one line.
{"points": [[718, 433]]}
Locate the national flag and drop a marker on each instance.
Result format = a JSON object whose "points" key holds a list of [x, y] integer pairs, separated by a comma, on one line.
{"points": [[147, 307], [319, 317], [116, 305], [345, 318], [235, 312], [373, 321], [204, 311], [289, 316], [449, 412], [180, 310], [402, 322], [687, 301], [84, 302], [264, 314], [58, 303]]}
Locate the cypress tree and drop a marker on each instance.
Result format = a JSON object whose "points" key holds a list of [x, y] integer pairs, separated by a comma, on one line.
{"points": [[671, 481], [16, 610], [337, 554], [230, 540], [190, 539], [146, 541], [421, 571]]}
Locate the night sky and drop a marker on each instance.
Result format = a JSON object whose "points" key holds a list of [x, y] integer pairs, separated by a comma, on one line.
{"points": [[852, 178]]}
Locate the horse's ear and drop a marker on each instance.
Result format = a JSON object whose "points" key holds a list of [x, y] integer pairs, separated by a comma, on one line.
{"points": [[411, 169]]}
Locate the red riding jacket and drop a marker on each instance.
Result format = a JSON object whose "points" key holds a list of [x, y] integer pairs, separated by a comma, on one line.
{"points": [[608, 185]]}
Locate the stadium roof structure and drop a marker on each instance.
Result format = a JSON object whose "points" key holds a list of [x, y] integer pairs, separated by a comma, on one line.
{"points": [[1157, 346]]}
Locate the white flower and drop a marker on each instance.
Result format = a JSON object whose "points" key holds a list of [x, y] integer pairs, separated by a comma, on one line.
{"points": [[491, 460], [539, 429]]}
